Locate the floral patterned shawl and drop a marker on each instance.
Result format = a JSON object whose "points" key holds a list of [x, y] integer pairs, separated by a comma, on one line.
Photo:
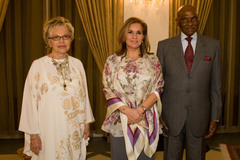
{"points": [[129, 82]]}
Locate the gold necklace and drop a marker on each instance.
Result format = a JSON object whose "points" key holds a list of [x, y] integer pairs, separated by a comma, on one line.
{"points": [[63, 69]]}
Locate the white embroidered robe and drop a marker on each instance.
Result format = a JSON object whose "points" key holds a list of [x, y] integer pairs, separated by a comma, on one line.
{"points": [[57, 115]]}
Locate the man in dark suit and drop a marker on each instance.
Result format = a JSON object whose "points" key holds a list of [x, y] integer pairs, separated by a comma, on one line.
{"points": [[191, 96]]}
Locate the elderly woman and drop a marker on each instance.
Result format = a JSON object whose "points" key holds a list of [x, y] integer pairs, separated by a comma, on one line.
{"points": [[132, 83], [56, 113]]}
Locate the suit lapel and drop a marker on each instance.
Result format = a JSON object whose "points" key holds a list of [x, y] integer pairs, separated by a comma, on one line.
{"points": [[199, 52], [179, 52]]}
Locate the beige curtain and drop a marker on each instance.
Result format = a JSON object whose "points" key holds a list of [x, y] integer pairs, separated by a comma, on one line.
{"points": [[20, 43], [225, 28], [3, 9], [101, 21], [202, 9]]}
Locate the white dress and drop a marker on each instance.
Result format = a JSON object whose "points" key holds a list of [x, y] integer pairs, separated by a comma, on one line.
{"points": [[57, 115]]}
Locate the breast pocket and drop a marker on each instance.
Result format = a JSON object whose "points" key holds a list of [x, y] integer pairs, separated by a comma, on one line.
{"points": [[205, 66]]}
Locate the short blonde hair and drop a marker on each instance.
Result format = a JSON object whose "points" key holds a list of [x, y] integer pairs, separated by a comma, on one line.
{"points": [[55, 22]]}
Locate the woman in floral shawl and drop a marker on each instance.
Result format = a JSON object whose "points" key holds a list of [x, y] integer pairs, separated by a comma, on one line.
{"points": [[132, 84]]}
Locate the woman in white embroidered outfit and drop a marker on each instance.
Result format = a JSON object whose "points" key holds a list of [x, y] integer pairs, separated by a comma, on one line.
{"points": [[132, 84], [56, 113]]}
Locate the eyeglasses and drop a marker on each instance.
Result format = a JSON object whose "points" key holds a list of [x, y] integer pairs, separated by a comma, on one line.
{"points": [[187, 20], [57, 38]]}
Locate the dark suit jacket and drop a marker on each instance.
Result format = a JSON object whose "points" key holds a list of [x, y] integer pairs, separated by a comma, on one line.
{"points": [[197, 92]]}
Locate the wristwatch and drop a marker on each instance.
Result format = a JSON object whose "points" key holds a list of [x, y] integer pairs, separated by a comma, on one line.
{"points": [[144, 109]]}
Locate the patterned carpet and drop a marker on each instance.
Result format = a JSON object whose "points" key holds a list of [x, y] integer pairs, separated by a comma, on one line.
{"points": [[211, 155], [234, 151], [99, 148], [230, 152]]}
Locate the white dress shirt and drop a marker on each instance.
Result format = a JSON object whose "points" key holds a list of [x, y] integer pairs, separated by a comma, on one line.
{"points": [[185, 42]]}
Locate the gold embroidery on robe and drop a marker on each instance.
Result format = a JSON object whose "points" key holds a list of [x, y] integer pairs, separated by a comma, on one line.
{"points": [[44, 88], [65, 145], [37, 76], [66, 104]]}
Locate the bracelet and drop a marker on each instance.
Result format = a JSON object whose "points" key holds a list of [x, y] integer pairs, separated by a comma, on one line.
{"points": [[144, 109]]}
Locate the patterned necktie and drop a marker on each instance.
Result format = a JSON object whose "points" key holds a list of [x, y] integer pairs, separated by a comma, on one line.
{"points": [[189, 54]]}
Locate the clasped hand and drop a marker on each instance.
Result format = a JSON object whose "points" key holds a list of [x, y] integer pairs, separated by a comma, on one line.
{"points": [[133, 115]]}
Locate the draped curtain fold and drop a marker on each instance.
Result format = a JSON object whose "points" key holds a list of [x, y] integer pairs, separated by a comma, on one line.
{"points": [[224, 27], [20, 43], [230, 72], [101, 21], [202, 8], [3, 10]]}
